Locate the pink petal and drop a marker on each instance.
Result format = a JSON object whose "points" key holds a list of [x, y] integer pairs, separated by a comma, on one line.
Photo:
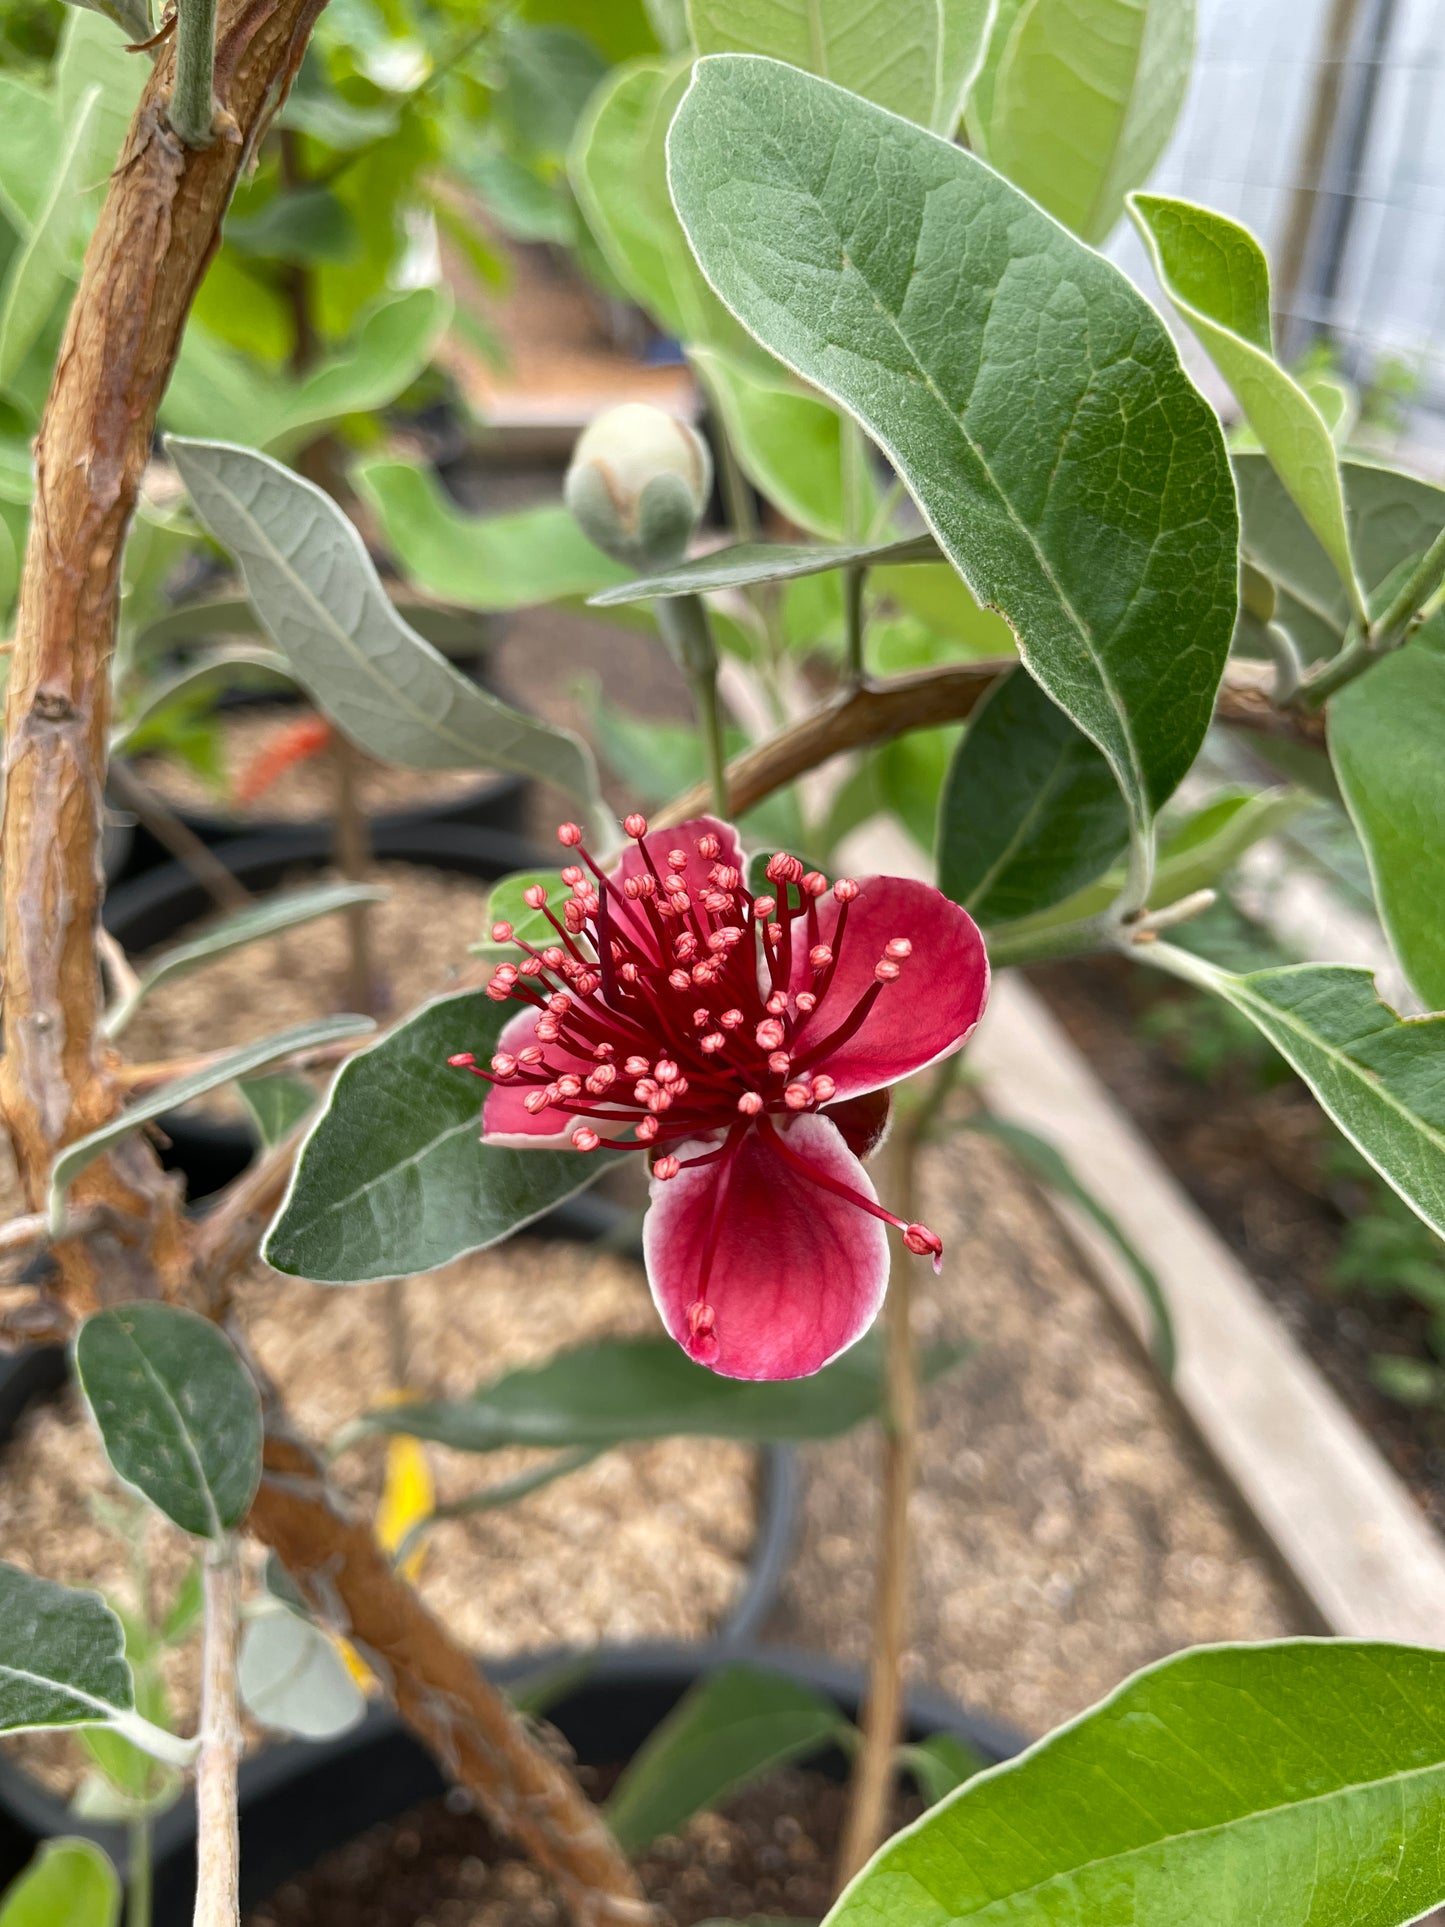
{"points": [[925, 1014], [505, 1120], [682, 836], [796, 1275]]}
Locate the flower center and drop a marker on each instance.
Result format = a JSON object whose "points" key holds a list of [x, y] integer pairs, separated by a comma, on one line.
{"points": [[674, 1003]]}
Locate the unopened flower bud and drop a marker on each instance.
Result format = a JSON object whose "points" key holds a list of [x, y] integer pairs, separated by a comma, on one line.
{"points": [[638, 484]]}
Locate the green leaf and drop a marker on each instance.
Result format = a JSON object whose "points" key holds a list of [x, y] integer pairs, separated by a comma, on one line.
{"points": [[178, 1413], [889, 54], [291, 1676], [734, 1725], [41, 270], [743, 563], [1029, 812], [967, 25], [1392, 519], [69, 1883], [507, 904], [1380, 1077], [27, 152], [903, 278], [313, 585], [308, 224], [624, 1389], [205, 676], [286, 911], [1082, 99], [62, 1656], [483, 562], [788, 444], [1387, 745], [1300, 1783], [619, 175], [1049, 1165], [277, 1105], [392, 1180], [1215, 273], [941, 1764], [169, 1097]]}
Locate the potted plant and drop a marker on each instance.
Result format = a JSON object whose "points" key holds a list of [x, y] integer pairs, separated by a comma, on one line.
{"points": [[728, 1014]]}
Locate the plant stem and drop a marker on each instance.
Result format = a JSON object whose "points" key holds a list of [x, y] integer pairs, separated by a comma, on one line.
{"points": [[684, 623], [1366, 645], [224, 888], [853, 581], [138, 1874], [873, 1773], [218, 1837], [192, 105]]}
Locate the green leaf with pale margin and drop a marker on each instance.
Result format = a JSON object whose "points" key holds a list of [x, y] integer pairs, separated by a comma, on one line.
{"points": [[1081, 101], [483, 562], [1379, 1076], [277, 1105], [286, 911], [41, 270], [93, 53], [1214, 272], [1392, 518], [507, 904], [788, 444], [1300, 1783], [1090, 503], [917, 58], [1049, 1165], [170, 1097], [69, 1883], [734, 1725], [209, 673], [392, 1179], [741, 564], [313, 585], [291, 1676], [1387, 745], [178, 1413], [623, 1389], [27, 151], [62, 1656], [941, 1764], [1029, 811]]}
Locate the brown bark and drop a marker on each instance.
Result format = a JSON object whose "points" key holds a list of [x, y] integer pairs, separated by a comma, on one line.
{"points": [[156, 234], [467, 1723], [879, 711]]}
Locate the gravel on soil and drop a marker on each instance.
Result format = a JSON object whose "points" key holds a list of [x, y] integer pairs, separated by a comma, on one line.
{"points": [[647, 1542], [1065, 1531], [304, 792], [767, 1853]]}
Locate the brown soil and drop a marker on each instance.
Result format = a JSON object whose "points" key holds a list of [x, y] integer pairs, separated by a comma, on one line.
{"points": [[306, 791], [419, 938], [1255, 1160], [648, 1542], [767, 1852]]}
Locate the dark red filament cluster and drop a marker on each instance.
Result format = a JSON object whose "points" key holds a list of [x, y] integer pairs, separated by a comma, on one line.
{"points": [[690, 1006]]}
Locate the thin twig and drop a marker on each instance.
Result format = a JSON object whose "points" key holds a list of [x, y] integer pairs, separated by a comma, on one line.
{"points": [[218, 1835], [192, 108], [219, 883]]}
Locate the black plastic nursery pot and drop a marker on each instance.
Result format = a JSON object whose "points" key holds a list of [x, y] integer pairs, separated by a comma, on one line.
{"points": [[300, 1802], [156, 907]]}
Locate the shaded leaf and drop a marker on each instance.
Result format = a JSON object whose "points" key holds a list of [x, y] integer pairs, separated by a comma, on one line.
{"points": [[483, 562], [1094, 507], [1301, 1782], [742, 563], [288, 910], [1380, 1077], [732, 1726], [1215, 273], [1029, 812], [277, 1105], [291, 1676], [1081, 100], [168, 1097], [69, 1883], [392, 1179], [313, 585], [178, 1413], [41, 270], [647, 1388], [941, 1764], [788, 444], [1387, 745]]}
